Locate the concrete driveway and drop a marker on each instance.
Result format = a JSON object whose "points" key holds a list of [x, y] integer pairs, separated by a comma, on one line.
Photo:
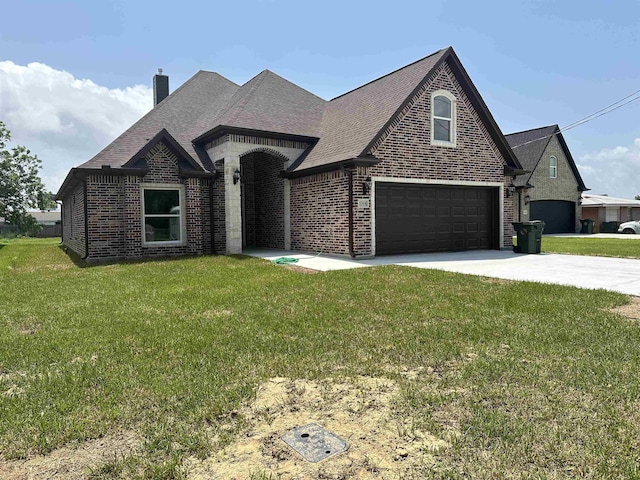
{"points": [[616, 274]]}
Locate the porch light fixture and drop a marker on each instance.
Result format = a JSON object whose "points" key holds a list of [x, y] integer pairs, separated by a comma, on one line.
{"points": [[366, 186], [510, 189], [527, 199], [236, 176]]}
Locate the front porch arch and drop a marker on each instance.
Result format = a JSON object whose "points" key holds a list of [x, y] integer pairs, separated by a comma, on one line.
{"points": [[263, 199]]}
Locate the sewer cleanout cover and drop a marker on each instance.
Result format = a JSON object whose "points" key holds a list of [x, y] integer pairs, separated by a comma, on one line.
{"points": [[314, 443]]}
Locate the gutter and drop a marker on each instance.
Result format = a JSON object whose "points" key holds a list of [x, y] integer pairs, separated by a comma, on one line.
{"points": [[351, 250], [330, 167]]}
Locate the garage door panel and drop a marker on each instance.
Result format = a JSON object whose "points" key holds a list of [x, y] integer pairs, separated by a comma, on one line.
{"points": [[427, 218], [558, 215]]}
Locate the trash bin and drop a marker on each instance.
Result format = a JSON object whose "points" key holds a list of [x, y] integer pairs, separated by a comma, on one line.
{"points": [[529, 236], [587, 225], [609, 227]]}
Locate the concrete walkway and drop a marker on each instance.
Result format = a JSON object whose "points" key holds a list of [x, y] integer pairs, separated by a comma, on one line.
{"points": [[615, 274]]}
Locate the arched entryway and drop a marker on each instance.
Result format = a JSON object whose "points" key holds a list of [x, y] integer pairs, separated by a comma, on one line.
{"points": [[263, 199]]}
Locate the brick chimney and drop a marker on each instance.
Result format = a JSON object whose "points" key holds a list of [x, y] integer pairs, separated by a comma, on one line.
{"points": [[160, 87]]}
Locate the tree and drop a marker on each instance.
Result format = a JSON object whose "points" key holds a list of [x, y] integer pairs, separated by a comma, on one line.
{"points": [[637, 197], [20, 184]]}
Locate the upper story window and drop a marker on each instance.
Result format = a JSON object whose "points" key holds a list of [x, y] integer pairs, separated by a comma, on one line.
{"points": [[443, 119], [163, 216], [553, 167]]}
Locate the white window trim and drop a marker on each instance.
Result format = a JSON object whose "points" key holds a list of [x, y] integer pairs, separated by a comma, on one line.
{"points": [[183, 229], [452, 99], [555, 167]]}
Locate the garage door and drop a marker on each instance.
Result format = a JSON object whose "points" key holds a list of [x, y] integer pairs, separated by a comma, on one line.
{"points": [[558, 216], [412, 218]]}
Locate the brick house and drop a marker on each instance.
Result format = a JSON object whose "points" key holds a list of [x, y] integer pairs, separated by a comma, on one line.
{"points": [[552, 189], [603, 208], [410, 162]]}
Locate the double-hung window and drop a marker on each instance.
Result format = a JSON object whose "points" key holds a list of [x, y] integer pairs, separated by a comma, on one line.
{"points": [[163, 214], [553, 167], [443, 119]]}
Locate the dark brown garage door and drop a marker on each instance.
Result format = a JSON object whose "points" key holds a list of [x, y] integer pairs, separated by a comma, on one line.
{"points": [[412, 218]]}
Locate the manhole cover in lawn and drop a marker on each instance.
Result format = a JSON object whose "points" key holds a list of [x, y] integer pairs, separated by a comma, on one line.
{"points": [[314, 443]]}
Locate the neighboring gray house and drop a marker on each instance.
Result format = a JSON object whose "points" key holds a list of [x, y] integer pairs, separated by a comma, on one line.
{"points": [[410, 162], [552, 189]]}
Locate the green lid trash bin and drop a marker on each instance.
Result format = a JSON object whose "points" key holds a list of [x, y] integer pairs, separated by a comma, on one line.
{"points": [[529, 236], [587, 225]]}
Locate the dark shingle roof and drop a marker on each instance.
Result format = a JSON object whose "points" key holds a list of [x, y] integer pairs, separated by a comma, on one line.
{"points": [[270, 103], [352, 120], [529, 146], [199, 100], [345, 127]]}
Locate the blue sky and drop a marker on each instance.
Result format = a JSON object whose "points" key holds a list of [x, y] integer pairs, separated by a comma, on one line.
{"points": [[74, 74]]}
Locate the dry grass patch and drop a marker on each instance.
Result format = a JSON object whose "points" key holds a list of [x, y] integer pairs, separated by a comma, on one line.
{"points": [[73, 462], [631, 310], [359, 411]]}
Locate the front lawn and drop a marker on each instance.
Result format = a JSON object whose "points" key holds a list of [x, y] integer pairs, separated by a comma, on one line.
{"points": [[599, 247], [505, 379]]}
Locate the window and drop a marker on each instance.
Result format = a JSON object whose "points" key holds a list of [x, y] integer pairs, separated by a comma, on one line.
{"points": [[553, 167], [443, 128], [163, 214]]}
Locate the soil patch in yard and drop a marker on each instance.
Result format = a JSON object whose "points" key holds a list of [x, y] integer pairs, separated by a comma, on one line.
{"points": [[360, 411], [72, 463], [630, 310]]}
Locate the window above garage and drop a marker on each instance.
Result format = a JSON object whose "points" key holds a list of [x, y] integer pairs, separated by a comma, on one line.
{"points": [[443, 118], [553, 167]]}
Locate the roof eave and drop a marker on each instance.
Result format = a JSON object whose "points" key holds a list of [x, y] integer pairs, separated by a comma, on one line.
{"points": [[367, 161], [78, 173], [221, 130]]}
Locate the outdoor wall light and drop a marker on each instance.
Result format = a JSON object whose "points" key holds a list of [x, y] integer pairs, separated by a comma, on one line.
{"points": [[527, 199], [510, 189], [236, 176], [366, 186]]}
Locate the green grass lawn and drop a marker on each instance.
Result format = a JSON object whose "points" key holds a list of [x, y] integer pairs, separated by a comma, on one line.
{"points": [[538, 381], [600, 247]]}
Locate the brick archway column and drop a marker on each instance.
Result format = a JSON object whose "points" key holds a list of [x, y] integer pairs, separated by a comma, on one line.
{"points": [[232, 206]]}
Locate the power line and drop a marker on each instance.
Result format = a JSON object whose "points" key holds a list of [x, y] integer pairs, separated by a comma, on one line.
{"points": [[603, 111]]}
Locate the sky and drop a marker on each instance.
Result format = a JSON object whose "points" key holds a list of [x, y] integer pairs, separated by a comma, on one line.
{"points": [[76, 74]]}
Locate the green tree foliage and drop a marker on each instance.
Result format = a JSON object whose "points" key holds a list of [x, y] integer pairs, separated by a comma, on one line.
{"points": [[637, 197], [20, 185]]}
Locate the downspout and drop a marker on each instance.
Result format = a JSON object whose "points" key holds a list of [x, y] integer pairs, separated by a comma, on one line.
{"points": [[350, 176], [86, 222], [519, 205], [62, 225], [211, 215]]}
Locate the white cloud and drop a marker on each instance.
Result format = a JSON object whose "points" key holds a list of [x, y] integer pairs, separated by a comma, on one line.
{"points": [[62, 119], [613, 171]]}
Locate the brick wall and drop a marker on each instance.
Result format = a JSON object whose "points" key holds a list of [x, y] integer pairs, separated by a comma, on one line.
{"points": [[73, 231], [114, 211], [219, 232], [269, 201], [319, 213], [105, 213]]}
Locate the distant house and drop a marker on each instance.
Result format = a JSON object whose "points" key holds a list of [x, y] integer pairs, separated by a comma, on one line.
{"points": [[410, 162], [603, 208], [551, 192], [47, 218]]}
